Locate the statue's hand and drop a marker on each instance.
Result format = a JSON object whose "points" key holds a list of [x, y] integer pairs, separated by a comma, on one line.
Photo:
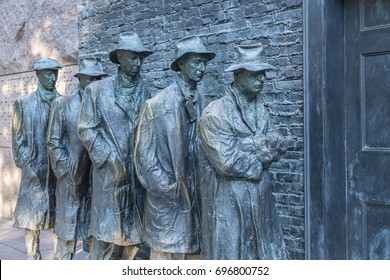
{"points": [[276, 146]]}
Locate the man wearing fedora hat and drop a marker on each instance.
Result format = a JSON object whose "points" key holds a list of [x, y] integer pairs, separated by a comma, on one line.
{"points": [[71, 163], [167, 156], [108, 120], [239, 141], [34, 209]]}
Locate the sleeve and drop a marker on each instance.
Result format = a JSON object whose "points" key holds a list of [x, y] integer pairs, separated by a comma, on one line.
{"points": [[20, 149], [149, 169], [229, 154], [275, 142], [89, 129], [58, 154]]}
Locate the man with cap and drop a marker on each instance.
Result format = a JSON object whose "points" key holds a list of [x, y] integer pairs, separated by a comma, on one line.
{"points": [[107, 125], [34, 209], [167, 157], [240, 142], [71, 163]]}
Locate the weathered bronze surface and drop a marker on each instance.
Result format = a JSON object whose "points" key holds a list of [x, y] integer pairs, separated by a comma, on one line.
{"points": [[71, 164], [240, 143], [36, 202], [167, 156], [108, 119]]}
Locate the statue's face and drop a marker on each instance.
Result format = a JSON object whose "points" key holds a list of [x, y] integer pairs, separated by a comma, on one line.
{"points": [[130, 62], [250, 83], [85, 80], [48, 78], [193, 67]]}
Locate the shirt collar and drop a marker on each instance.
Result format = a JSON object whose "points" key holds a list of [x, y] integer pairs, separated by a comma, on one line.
{"points": [[188, 92], [47, 95], [244, 105], [125, 82]]}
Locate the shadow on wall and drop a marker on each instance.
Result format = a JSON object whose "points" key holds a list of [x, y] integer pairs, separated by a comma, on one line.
{"points": [[30, 30]]}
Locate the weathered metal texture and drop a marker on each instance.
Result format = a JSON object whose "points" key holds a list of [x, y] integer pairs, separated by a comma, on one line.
{"points": [[13, 87]]}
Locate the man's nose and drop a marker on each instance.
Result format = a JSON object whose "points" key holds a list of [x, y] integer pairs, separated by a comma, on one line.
{"points": [[137, 62], [202, 66], [262, 78]]}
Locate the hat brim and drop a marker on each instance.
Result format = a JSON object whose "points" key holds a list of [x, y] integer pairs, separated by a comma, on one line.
{"points": [[175, 66], [92, 74], [48, 68], [254, 67], [114, 54]]}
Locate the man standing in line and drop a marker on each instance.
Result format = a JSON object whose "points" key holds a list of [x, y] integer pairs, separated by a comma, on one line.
{"points": [[108, 120], [167, 157], [240, 142], [36, 202], [71, 164]]}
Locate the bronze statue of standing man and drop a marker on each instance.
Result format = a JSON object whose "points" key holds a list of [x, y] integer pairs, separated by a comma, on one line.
{"points": [[36, 202], [71, 164], [240, 142], [107, 125], [167, 156]]}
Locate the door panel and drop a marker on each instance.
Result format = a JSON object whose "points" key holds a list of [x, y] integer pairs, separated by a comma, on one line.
{"points": [[367, 64]]}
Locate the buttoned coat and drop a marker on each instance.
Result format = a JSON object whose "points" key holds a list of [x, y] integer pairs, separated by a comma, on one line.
{"points": [[35, 206], [107, 129], [167, 162], [239, 218], [71, 165]]}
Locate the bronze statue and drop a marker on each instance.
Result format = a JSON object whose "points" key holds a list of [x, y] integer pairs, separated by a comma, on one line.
{"points": [[35, 205], [240, 142], [71, 164], [108, 120], [167, 157]]}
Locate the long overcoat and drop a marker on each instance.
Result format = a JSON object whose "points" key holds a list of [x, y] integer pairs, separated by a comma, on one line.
{"points": [[239, 218], [71, 165], [107, 128], [167, 162], [35, 206]]}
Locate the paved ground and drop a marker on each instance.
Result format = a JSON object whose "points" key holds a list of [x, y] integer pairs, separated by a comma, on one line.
{"points": [[12, 246]]}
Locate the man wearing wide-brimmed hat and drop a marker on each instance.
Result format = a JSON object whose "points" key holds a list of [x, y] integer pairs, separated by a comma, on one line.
{"points": [[167, 156], [35, 205], [71, 163], [240, 143], [108, 120]]}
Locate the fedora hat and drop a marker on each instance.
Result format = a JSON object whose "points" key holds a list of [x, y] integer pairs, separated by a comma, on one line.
{"points": [[129, 41], [47, 63], [91, 67], [251, 58], [191, 44]]}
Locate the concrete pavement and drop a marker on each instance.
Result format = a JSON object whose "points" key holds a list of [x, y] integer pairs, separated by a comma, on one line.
{"points": [[12, 245]]}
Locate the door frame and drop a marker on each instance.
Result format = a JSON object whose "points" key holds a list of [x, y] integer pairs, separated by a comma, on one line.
{"points": [[324, 130]]}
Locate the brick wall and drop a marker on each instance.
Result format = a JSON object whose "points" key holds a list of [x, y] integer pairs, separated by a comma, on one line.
{"points": [[277, 24]]}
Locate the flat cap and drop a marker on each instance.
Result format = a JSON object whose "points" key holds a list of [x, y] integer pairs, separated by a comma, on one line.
{"points": [[47, 63]]}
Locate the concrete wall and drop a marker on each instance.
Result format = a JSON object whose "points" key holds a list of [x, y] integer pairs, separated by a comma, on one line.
{"points": [[30, 30], [222, 24]]}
